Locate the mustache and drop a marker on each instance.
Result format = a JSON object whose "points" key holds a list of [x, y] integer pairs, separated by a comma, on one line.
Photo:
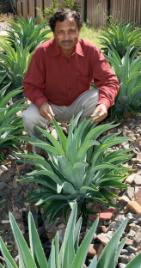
{"points": [[66, 41]]}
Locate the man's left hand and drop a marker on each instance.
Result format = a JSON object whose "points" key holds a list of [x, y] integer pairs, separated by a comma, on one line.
{"points": [[100, 113]]}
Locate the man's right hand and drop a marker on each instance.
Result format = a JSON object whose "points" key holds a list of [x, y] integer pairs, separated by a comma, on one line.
{"points": [[46, 111]]}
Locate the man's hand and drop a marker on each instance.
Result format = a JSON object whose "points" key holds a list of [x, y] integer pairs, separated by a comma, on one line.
{"points": [[46, 111], [100, 113]]}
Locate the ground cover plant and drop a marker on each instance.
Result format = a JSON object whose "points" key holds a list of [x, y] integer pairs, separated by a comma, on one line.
{"points": [[11, 126], [71, 253], [121, 37], [27, 33], [80, 167], [128, 70]]}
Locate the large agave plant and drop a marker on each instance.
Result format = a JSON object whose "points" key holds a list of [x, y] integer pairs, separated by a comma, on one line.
{"points": [[14, 63], [121, 37], [27, 33], [10, 124], [70, 254], [128, 70], [81, 167]]}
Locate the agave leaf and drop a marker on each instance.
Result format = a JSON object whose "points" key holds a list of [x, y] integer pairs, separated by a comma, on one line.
{"points": [[111, 249], [83, 249], [8, 258], [93, 263], [21, 244], [35, 244], [135, 263]]}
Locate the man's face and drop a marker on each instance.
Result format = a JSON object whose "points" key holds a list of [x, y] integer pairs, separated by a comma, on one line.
{"points": [[66, 34]]}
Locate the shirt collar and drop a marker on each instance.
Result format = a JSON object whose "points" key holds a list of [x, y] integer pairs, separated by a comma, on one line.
{"points": [[56, 51]]}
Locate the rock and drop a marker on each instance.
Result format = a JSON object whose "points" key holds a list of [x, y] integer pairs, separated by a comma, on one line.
{"points": [[131, 234], [134, 207], [103, 238], [124, 259], [128, 241], [138, 195], [91, 251], [130, 178], [137, 179], [138, 157], [130, 192], [121, 265], [137, 238], [106, 215], [131, 249]]}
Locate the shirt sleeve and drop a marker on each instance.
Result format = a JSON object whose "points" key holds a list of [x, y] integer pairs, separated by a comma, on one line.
{"points": [[34, 80], [104, 79]]}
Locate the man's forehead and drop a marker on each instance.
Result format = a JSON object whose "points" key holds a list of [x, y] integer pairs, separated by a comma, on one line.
{"points": [[69, 22]]}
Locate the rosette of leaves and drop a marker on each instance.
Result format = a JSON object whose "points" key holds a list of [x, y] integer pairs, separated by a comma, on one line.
{"points": [[121, 37], [81, 167], [10, 124], [70, 254], [14, 64], [27, 33], [128, 70]]}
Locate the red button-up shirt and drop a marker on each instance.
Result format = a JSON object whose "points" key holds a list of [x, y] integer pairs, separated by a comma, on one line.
{"points": [[52, 77]]}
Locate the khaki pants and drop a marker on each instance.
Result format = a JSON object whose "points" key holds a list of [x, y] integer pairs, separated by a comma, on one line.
{"points": [[86, 103]]}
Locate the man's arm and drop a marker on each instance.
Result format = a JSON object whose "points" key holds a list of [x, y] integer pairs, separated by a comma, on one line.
{"points": [[107, 83], [34, 84]]}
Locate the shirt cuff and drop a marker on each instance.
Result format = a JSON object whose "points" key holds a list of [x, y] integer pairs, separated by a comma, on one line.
{"points": [[39, 102]]}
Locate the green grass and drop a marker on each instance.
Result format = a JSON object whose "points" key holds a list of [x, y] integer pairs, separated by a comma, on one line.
{"points": [[90, 34]]}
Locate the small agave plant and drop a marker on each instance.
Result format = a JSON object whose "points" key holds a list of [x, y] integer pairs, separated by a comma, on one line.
{"points": [[70, 254], [81, 167], [128, 70]]}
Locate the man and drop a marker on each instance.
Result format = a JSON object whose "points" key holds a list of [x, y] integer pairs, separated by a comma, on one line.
{"points": [[58, 81]]}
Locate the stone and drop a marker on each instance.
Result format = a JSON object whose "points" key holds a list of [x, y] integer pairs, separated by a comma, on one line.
{"points": [[137, 238], [130, 192], [124, 259], [137, 179], [91, 251], [103, 238], [128, 241], [121, 265], [138, 157], [138, 195], [130, 178], [134, 207], [131, 249]]}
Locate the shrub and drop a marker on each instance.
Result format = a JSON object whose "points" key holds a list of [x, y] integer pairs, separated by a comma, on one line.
{"points": [[81, 167], [128, 70], [70, 254], [121, 37], [26, 33]]}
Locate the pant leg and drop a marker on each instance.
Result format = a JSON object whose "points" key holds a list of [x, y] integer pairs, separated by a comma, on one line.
{"points": [[86, 103]]}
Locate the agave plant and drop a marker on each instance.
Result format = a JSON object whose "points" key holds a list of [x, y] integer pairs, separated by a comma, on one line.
{"points": [[121, 37], [81, 167], [70, 254], [128, 70], [10, 124], [26, 33], [14, 63]]}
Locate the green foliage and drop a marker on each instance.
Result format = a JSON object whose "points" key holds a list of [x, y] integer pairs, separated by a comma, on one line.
{"points": [[128, 70], [14, 64], [81, 167], [10, 124], [26, 33], [67, 255], [55, 4], [121, 37]]}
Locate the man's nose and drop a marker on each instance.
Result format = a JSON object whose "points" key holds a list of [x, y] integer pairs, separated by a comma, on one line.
{"points": [[66, 36]]}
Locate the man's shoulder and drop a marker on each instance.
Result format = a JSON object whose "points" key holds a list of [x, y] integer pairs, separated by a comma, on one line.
{"points": [[87, 44], [45, 45]]}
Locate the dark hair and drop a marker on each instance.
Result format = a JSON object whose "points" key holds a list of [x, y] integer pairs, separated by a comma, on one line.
{"points": [[63, 14]]}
